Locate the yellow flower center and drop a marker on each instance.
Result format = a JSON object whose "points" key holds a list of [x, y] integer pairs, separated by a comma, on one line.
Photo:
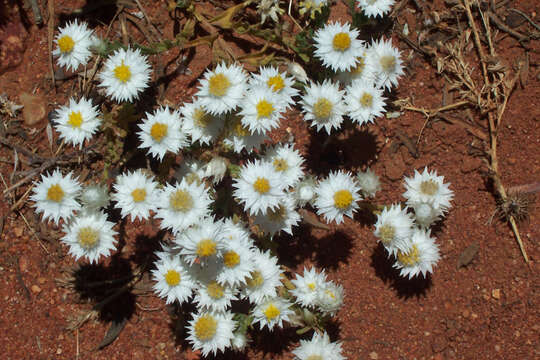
{"points": [[322, 108], [278, 214], [264, 109], [429, 187], [330, 293], [280, 164], [314, 357], [218, 85], [388, 63], [215, 291], [276, 83], [87, 238], [366, 100], [122, 72], [410, 258], [342, 199], [158, 131], [261, 185], [66, 44], [205, 327], [55, 193], [231, 259], [206, 247], [311, 286], [341, 41], [181, 200], [75, 119], [271, 312], [202, 118], [387, 233], [138, 195], [172, 277], [255, 280]]}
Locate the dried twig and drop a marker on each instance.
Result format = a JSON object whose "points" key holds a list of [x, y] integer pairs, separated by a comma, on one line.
{"points": [[520, 37], [36, 11], [50, 32], [526, 18]]}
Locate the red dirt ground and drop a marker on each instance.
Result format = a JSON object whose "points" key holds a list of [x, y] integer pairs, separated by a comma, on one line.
{"points": [[488, 309]]}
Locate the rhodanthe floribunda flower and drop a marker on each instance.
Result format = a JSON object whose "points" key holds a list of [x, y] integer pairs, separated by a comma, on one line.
{"points": [[282, 218], [386, 61], [216, 169], [174, 282], [259, 187], [213, 296], [239, 341], [222, 89], [364, 102], [73, 45], [135, 194], [237, 255], [308, 286], [182, 205], [264, 279], [323, 105], [89, 236], [202, 243], [338, 46], [160, 132], [428, 187], [279, 83], [337, 195], [329, 298], [125, 74], [287, 161], [319, 347], [420, 257], [363, 71], [77, 122], [211, 332], [200, 124], [94, 197], [375, 8], [261, 110], [56, 196], [239, 137], [369, 183], [272, 311], [425, 214], [394, 228], [305, 191]]}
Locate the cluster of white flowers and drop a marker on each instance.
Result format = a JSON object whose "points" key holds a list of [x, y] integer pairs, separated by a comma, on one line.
{"points": [[406, 236]]}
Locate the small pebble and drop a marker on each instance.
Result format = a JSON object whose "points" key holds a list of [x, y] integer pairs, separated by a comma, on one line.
{"points": [[373, 355], [496, 293], [35, 289], [41, 280]]}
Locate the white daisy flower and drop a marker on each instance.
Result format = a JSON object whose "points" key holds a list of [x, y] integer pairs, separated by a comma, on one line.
{"points": [[160, 132], [272, 311], [282, 218], [55, 196], [136, 194], [420, 257], [211, 332], [239, 341], [329, 298], [89, 236], [338, 46], [363, 71], [305, 191], [239, 137], [125, 74], [277, 82], [369, 183], [212, 296], [394, 228], [222, 89], [264, 279], [319, 347], [364, 102], [425, 214], [182, 205], [77, 122], [259, 187], [73, 45], [308, 286], [173, 279], [261, 110], [237, 255], [428, 187], [200, 124], [202, 243], [337, 195], [287, 161], [94, 197], [375, 8], [385, 60], [323, 105]]}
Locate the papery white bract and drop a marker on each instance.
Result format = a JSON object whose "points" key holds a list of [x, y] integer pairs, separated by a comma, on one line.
{"points": [[420, 257], [73, 45], [77, 122]]}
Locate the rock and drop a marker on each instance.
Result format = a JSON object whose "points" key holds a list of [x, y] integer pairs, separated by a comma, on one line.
{"points": [[41, 280], [35, 289], [496, 293], [35, 108], [373, 355], [12, 36], [395, 168]]}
